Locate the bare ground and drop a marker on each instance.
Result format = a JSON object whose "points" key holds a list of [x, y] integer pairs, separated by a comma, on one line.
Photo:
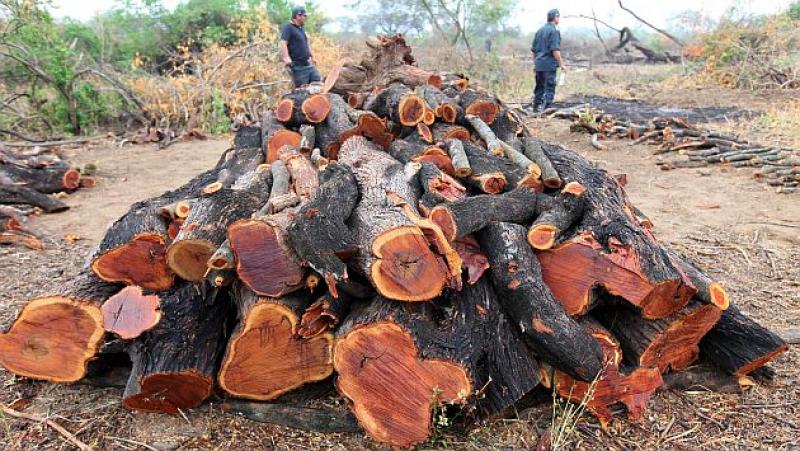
{"points": [[723, 219]]}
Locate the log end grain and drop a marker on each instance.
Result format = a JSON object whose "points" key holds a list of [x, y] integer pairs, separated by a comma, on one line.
{"points": [[542, 236], [449, 112], [130, 313], [53, 339], [483, 109], [189, 258], [257, 245], [170, 392], [141, 261], [443, 217], [676, 348], [493, 183], [392, 389], [316, 108], [411, 110], [71, 179], [279, 139], [263, 366], [719, 296], [284, 110], [405, 268]]}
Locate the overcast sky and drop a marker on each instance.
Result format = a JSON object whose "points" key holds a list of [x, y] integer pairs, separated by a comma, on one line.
{"points": [[529, 15]]}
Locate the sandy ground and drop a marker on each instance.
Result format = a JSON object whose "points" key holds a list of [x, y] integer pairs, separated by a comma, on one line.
{"points": [[723, 220]]}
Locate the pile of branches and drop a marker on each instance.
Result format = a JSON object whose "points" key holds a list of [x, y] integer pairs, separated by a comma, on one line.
{"points": [[780, 167], [28, 180], [425, 255]]}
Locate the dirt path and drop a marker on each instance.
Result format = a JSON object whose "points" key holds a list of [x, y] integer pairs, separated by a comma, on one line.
{"points": [[125, 176]]}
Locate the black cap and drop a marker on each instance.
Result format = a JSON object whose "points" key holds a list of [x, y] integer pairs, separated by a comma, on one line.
{"points": [[298, 11]]}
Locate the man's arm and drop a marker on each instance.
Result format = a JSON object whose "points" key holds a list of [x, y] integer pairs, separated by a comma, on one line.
{"points": [[555, 45], [557, 56], [284, 48]]}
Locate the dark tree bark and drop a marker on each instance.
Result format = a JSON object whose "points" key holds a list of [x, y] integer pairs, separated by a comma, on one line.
{"points": [[463, 217], [15, 194], [174, 364], [517, 279], [556, 216]]}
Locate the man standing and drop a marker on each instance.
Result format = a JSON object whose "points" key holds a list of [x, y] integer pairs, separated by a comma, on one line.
{"points": [[295, 50], [546, 50]]}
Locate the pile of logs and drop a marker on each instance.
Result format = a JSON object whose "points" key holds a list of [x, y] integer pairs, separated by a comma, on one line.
{"points": [[28, 180], [420, 246], [779, 167]]}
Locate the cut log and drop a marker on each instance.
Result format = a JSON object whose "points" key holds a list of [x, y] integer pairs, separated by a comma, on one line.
{"points": [[612, 386], [408, 151], [316, 108], [517, 279], [608, 247], [55, 336], [738, 345], [46, 180], [205, 227], [289, 109], [265, 357], [331, 132], [247, 136], [130, 313], [397, 362], [473, 260], [175, 362], [489, 172], [479, 104], [708, 291], [304, 175], [15, 194], [223, 257], [438, 187], [493, 143], [669, 343], [318, 234], [455, 148], [411, 76], [465, 216], [393, 252], [557, 216], [534, 151], [443, 132], [399, 104], [278, 140]]}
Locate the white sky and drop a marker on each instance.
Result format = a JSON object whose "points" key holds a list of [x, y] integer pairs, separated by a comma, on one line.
{"points": [[530, 14]]}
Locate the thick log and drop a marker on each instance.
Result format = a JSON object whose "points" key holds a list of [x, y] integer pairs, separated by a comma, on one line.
{"points": [[465, 216], [175, 362], [492, 174], [443, 132], [438, 187], [669, 343], [534, 151], [265, 357], [396, 362], [260, 243], [206, 226], [738, 345], [55, 336], [557, 216], [548, 330], [414, 151], [15, 194], [289, 108], [455, 148], [608, 247], [411, 76], [46, 180], [612, 386], [318, 233], [478, 104], [399, 104], [332, 132], [393, 252], [130, 313], [316, 108], [133, 250]]}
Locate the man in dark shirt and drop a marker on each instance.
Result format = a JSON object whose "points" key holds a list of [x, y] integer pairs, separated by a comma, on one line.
{"points": [[295, 50], [546, 49]]}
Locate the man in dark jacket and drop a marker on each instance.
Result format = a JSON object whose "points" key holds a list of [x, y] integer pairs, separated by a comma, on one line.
{"points": [[546, 49], [295, 50]]}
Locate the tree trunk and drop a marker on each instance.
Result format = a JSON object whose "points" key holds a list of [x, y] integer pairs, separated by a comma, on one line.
{"points": [[265, 357], [14, 194], [608, 247], [393, 252], [174, 364], [667, 343], [738, 345], [46, 180], [548, 330], [409, 358]]}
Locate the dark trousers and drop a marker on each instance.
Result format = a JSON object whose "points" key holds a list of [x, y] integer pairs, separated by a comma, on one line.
{"points": [[303, 75], [545, 90]]}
